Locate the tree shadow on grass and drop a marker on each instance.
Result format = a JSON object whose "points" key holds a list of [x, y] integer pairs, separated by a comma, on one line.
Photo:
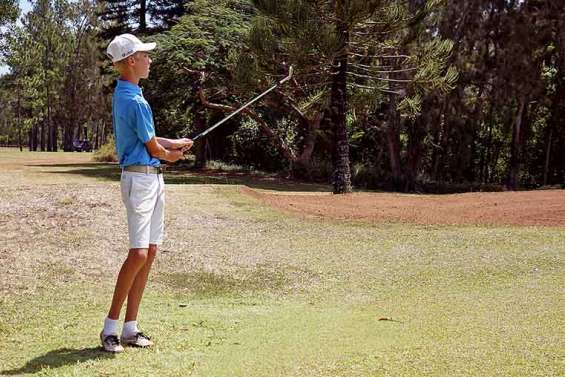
{"points": [[58, 358], [175, 175], [104, 171]]}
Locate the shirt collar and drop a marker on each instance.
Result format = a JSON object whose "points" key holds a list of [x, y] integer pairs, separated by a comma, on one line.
{"points": [[124, 84]]}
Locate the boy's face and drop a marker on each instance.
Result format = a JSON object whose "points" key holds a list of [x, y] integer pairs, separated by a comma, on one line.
{"points": [[141, 64]]}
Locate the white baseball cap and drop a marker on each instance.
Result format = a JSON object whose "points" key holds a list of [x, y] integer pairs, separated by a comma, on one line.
{"points": [[125, 45]]}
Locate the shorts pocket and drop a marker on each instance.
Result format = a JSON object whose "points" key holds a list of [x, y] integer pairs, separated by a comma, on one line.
{"points": [[142, 193], [125, 187]]}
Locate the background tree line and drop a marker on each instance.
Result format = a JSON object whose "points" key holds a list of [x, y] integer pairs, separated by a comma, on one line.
{"points": [[408, 95]]}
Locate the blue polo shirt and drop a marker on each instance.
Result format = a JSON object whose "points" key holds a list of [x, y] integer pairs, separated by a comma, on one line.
{"points": [[132, 120]]}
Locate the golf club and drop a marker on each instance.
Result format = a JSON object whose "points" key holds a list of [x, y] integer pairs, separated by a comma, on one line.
{"points": [[205, 132]]}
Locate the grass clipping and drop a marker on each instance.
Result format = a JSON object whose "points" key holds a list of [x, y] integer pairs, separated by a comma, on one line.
{"points": [[107, 152]]}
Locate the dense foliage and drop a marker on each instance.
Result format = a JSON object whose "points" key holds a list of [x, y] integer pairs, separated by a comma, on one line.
{"points": [[407, 95]]}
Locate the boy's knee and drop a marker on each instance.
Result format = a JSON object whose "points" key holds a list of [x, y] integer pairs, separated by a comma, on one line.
{"points": [[138, 256]]}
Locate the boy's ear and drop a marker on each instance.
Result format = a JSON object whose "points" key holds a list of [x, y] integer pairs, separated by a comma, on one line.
{"points": [[131, 60]]}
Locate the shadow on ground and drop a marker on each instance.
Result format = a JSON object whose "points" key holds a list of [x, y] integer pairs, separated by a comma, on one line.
{"points": [[59, 358], [174, 175]]}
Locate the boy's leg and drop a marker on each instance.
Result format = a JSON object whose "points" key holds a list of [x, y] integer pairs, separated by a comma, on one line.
{"points": [[156, 234], [136, 291], [131, 335], [140, 200], [130, 269], [136, 260]]}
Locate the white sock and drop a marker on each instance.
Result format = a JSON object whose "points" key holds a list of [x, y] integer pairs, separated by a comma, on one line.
{"points": [[111, 326], [130, 328]]}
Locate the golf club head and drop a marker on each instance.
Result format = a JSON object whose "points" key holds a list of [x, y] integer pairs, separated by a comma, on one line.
{"points": [[290, 73], [205, 132]]}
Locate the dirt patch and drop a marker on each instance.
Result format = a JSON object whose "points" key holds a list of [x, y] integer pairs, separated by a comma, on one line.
{"points": [[532, 208], [53, 234]]}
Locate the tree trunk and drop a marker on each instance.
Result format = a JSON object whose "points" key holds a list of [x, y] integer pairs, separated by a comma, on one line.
{"points": [[142, 16], [416, 134], [19, 119], [308, 126], [338, 108], [104, 132], [42, 136], [68, 128], [46, 68], [441, 142], [49, 126], [263, 126], [54, 137], [393, 143], [67, 143], [556, 127], [96, 145], [516, 147], [199, 121], [302, 167], [484, 176], [49, 135], [392, 131], [199, 125], [33, 138], [547, 155]]}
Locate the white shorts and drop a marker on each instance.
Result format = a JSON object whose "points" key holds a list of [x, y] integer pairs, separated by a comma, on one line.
{"points": [[144, 197]]}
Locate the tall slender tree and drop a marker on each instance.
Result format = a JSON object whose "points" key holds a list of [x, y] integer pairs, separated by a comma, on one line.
{"points": [[167, 13], [117, 17]]}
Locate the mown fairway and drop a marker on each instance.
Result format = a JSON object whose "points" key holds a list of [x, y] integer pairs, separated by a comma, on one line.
{"points": [[240, 289]]}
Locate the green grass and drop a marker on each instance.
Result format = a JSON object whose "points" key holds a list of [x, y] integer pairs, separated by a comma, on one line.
{"points": [[243, 290], [464, 301]]}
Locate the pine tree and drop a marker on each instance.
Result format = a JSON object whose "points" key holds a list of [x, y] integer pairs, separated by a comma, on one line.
{"points": [[202, 43], [352, 49], [8, 15], [482, 131], [166, 13], [116, 17], [85, 54], [125, 16], [8, 11], [45, 29], [53, 60]]}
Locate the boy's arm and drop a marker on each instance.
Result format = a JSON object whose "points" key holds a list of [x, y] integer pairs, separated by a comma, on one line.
{"points": [[165, 143], [174, 143], [158, 150]]}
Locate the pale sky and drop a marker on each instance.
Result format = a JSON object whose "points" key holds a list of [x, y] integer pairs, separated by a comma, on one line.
{"points": [[25, 5]]}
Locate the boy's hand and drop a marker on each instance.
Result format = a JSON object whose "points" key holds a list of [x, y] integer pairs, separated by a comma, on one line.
{"points": [[183, 144], [175, 155], [177, 148]]}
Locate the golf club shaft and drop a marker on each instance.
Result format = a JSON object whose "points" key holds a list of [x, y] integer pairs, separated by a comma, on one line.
{"points": [[205, 132]]}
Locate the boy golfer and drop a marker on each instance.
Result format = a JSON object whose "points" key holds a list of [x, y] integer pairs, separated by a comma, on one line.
{"points": [[142, 186]]}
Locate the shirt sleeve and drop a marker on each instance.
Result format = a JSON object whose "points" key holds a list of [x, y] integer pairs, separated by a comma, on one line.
{"points": [[144, 127]]}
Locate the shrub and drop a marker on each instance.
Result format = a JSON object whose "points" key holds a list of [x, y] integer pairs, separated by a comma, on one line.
{"points": [[365, 176], [107, 152]]}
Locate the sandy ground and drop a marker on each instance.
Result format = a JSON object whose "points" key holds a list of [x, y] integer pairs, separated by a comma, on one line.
{"points": [[531, 208]]}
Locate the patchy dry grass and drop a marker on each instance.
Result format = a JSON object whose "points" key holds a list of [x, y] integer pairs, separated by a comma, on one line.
{"points": [[242, 290]]}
